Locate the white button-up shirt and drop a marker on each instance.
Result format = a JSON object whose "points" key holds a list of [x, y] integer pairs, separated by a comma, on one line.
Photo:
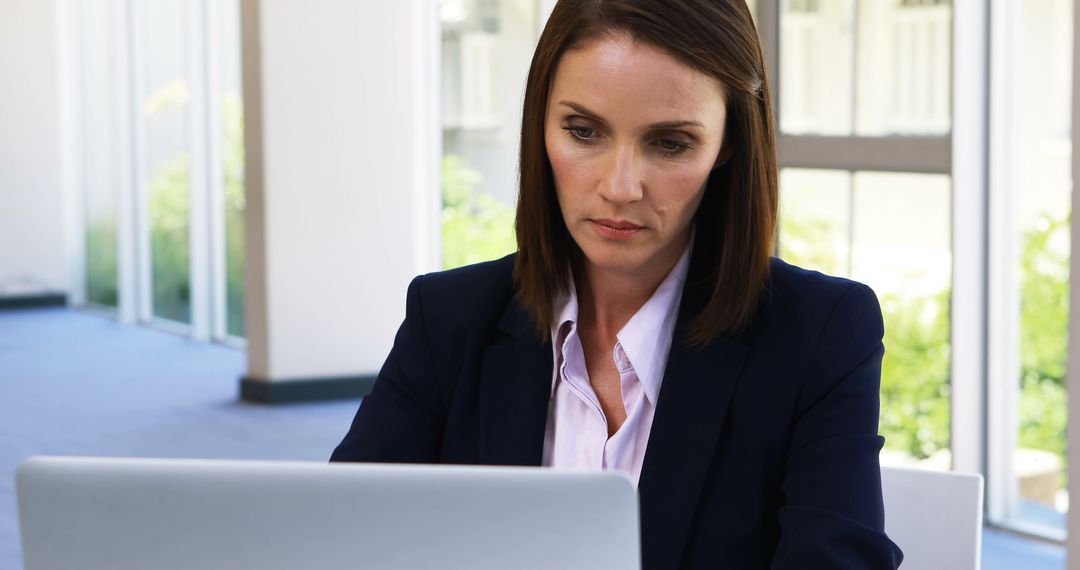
{"points": [[577, 430]]}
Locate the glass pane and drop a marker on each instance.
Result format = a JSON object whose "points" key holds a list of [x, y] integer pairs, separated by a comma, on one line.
{"points": [[890, 77], [902, 248], [892, 232], [814, 219], [1041, 146], [231, 109], [100, 177], [904, 67], [164, 99], [815, 66], [487, 46]]}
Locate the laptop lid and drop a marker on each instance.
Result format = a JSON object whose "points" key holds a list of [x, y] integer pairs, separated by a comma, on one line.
{"points": [[166, 514]]}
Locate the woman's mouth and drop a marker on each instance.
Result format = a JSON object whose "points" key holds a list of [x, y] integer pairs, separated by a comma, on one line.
{"points": [[615, 229]]}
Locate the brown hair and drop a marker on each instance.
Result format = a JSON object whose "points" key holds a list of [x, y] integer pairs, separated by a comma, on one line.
{"points": [[736, 221]]}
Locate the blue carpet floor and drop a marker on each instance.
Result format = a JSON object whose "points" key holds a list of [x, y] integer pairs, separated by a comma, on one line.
{"points": [[73, 383], [79, 384]]}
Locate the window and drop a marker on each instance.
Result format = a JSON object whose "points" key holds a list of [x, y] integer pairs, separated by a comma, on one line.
{"points": [[1031, 193], [98, 82], [892, 232], [803, 6], [868, 158], [918, 3], [162, 155], [227, 179], [163, 105], [903, 68], [864, 96], [815, 89], [487, 46], [870, 68]]}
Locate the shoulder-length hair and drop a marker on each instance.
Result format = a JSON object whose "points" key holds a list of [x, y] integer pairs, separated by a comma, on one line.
{"points": [[736, 221]]}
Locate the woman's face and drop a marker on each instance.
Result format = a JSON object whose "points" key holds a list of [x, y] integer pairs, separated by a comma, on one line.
{"points": [[632, 135]]}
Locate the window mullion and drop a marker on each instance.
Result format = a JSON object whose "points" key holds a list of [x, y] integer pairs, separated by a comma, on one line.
{"points": [[1003, 306], [969, 211], [199, 233], [215, 206], [143, 292], [923, 154], [1072, 544]]}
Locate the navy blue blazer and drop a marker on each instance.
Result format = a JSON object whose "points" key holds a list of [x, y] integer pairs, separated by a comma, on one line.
{"points": [[764, 446]]}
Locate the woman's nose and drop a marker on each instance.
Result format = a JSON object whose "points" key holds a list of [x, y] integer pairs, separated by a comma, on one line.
{"points": [[623, 181]]}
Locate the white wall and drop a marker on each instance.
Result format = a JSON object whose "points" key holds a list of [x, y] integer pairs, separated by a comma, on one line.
{"points": [[32, 246], [342, 154]]}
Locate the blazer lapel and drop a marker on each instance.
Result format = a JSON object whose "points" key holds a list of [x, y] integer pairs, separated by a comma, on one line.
{"points": [[515, 389], [690, 411]]}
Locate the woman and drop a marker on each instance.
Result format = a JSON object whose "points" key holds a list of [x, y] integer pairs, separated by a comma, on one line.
{"points": [[642, 325]]}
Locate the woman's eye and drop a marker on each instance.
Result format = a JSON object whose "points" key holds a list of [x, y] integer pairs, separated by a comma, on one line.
{"points": [[671, 147], [581, 133]]}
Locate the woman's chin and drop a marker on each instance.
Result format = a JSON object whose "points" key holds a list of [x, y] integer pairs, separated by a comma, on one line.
{"points": [[618, 261]]}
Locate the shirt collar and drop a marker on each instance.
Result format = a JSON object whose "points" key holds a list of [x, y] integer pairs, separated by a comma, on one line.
{"points": [[566, 311], [646, 339]]}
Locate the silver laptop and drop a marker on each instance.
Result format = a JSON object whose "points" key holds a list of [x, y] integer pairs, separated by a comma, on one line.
{"points": [[126, 514]]}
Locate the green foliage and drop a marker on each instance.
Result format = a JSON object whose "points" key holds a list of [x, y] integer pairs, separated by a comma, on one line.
{"points": [[475, 226], [169, 196], [915, 390], [1044, 314], [169, 239], [805, 243], [232, 125], [915, 370], [101, 270], [1043, 417], [915, 374], [169, 227]]}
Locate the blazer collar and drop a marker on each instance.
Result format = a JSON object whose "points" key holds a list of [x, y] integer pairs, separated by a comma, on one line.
{"points": [[515, 388], [693, 404], [690, 412]]}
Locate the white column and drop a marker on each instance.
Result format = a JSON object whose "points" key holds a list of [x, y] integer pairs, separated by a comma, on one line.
{"points": [[33, 179], [342, 143]]}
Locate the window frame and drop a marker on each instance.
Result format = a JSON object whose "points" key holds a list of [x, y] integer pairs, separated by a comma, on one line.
{"points": [[1003, 357], [1072, 379], [985, 323], [206, 245], [935, 154]]}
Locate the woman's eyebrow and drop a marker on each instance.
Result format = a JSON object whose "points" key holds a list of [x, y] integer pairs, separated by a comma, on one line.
{"points": [[582, 110], [661, 125]]}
